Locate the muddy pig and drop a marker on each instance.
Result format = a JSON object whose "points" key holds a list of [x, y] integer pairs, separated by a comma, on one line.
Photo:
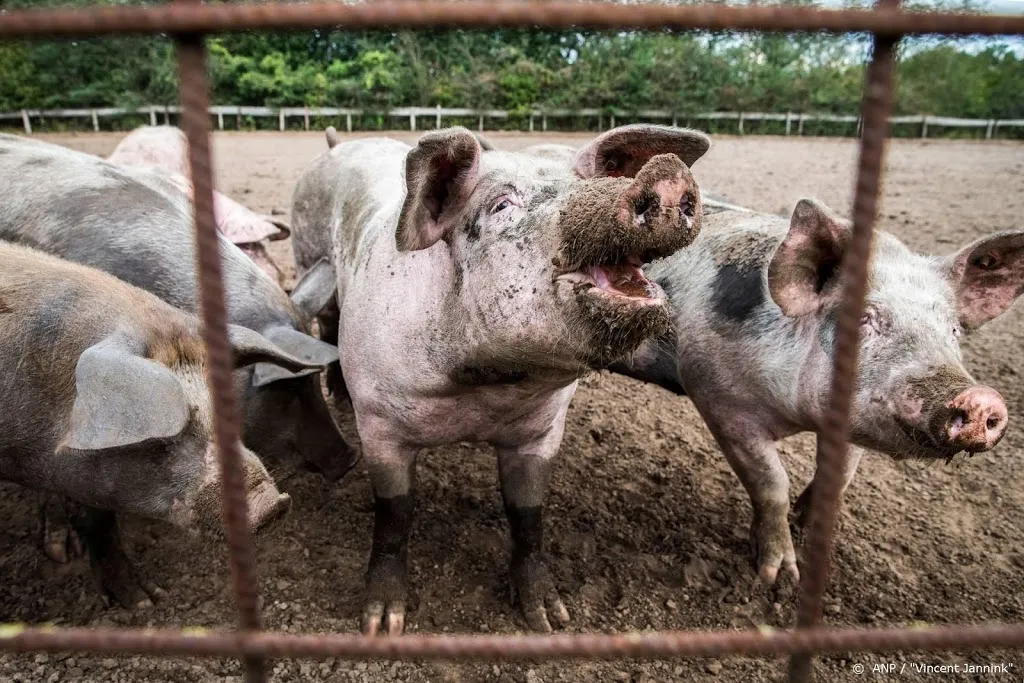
{"points": [[165, 148], [474, 289], [755, 304], [103, 400]]}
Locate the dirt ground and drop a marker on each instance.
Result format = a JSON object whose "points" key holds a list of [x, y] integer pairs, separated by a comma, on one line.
{"points": [[646, 524]]}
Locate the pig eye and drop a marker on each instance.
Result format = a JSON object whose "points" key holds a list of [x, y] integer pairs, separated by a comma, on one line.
{"points": [[956, 331], [501, 205]]}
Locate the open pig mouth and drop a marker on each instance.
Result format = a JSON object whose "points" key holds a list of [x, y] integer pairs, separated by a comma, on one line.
{"points": [[623, 281]]}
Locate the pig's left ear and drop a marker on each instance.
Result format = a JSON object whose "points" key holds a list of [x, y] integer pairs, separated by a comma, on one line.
{"points": [[284, 229], [298, 355], [440, 173], [315, 289], [987, 276], [251, 348], [623, 151]]}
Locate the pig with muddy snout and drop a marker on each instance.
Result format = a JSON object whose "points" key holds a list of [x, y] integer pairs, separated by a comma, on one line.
{"points": [[474, 288], [103, 400], [755, 304]]}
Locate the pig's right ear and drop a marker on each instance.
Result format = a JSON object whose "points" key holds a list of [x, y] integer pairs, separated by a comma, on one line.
{"points": [[802, 273], [440, 173], [123, 399]]}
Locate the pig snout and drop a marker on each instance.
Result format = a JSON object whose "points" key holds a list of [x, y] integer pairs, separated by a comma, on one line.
{"points": [[202, 511], [624, 222], [266, 506], [661, 197], [976, 420]]}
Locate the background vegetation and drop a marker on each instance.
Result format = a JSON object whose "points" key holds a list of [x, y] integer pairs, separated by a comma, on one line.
{"points": [[517, 70]]}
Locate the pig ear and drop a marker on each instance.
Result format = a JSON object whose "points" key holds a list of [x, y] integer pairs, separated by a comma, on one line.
{"points": [[239, 224], [802, 273], [251, 348], [123, 399], [988, 276], [314, 353], [440, 173], [284, 229], [623, 151], [315, 289]]}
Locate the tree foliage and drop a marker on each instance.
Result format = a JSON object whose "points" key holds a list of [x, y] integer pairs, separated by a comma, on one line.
{"points": [[514, 69]]}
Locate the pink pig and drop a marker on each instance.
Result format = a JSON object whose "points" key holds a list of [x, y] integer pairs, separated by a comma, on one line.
{"points": [[165, 148]]}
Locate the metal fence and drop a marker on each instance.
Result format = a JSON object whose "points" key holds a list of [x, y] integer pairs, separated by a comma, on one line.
{"points": [[188, 23], [535, 118]]}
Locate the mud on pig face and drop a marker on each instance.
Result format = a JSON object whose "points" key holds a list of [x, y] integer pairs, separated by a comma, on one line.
{"points": [[914, 398], [546, 258]]}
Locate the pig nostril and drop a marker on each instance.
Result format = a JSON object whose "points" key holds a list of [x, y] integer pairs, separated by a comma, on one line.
{"points": [[992, 422], [956, 424], [686, 207], [643, 205]]}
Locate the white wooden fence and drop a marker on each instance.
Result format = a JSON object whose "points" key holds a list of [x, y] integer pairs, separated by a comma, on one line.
{"points": [[792, 120]]}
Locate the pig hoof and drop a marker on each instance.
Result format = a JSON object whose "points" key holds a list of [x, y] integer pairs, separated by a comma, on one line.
{"points": [[374, 613], [131, 593], [773, 549], [386, 592], [538, 599], [62, 545]]}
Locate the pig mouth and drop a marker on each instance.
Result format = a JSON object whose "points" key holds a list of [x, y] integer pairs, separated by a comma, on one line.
{"points": [[622, 281], [927, 448]]}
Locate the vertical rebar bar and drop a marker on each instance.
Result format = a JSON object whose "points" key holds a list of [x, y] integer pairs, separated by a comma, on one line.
{"points": [[834, 449], [195, 121]]}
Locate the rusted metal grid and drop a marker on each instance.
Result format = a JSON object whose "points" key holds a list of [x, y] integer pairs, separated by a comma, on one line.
{"points": [[188, 23]]}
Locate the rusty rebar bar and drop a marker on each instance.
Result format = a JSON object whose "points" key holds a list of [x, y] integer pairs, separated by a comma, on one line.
{"points": [[509, 647], [195, 121], [391, 14], [833, 449]]}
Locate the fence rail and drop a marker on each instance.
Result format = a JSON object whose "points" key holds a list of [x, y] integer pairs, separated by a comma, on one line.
{"points": [[186, 21], [794, 121]]}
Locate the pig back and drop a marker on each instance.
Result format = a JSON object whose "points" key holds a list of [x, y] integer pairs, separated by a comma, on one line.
{"points": [[347, 196], [720, 280], [135, 224]]}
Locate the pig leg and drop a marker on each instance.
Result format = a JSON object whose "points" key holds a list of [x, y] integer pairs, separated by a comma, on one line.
{"points": [[392, 470], [753, 457], [114, 572], [802, 507], [60, 542], [524, 475]]}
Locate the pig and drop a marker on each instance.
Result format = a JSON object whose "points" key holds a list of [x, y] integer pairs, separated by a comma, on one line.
{"points": [[755, 304], [104, 401], [137, 225], [311, 243], [165, 148], [474, 288]]}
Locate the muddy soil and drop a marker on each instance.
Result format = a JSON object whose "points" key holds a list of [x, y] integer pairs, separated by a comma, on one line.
{"points": [[646, 526]]}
